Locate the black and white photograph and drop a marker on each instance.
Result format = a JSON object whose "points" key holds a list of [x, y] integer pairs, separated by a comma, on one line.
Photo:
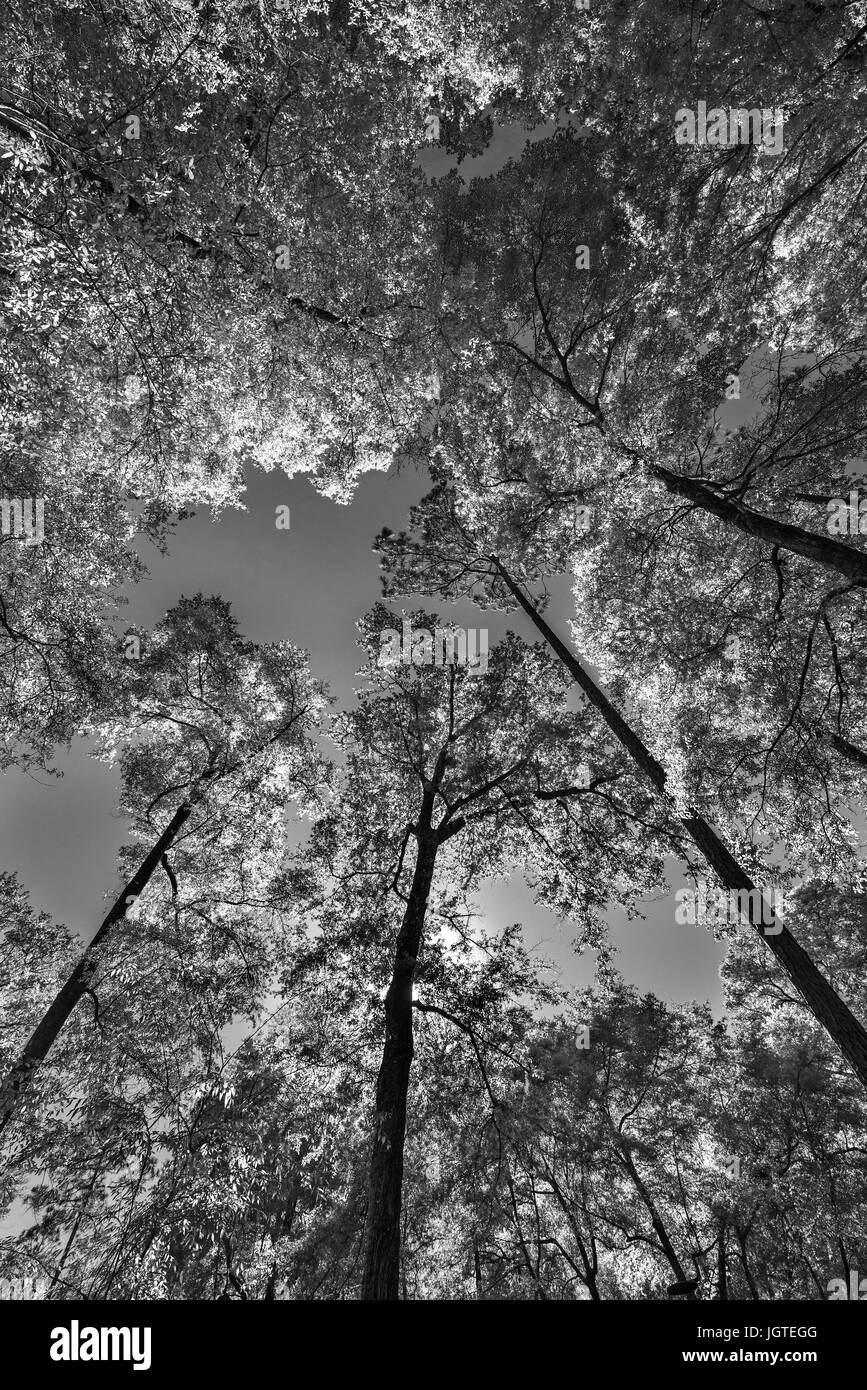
{"points": [[433, 577]]}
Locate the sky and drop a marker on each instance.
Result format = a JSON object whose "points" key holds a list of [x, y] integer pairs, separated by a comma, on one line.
{"points": [[308, 585]]}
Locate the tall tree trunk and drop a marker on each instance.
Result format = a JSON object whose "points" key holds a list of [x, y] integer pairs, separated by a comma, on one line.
{"points": [[722, 1272], [822, 550], [381, 1274], [655, 1218], [88, 1193], [45, 1034], [528, 1263], [477, 1264], [821, 998], [590, 1265], [849, 750], [742, 1249]]}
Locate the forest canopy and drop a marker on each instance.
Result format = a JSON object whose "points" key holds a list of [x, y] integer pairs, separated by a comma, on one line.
{"points": [[594, 276]]}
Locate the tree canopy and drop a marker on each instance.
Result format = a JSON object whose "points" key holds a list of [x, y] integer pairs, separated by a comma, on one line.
{"points": [[293, 1057]]}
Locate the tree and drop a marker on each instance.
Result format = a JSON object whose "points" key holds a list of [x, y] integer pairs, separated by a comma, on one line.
{"points": [[221, 727], [221, 251], [447, 555], [632, 1147], [466, 766]]}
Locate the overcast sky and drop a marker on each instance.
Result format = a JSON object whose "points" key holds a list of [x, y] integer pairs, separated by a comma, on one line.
{"points": [[309, 585]]}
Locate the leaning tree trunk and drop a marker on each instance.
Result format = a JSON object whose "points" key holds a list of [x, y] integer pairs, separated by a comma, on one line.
{"points": [[590, 1265], [45, 1034], [380, 1277], [656, 1220], [822, 550], [821, 998]]}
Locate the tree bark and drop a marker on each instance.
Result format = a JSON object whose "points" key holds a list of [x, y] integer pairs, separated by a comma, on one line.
{"points": [[822, 550], [45, 1034], [655, 1218], [821, 998], [849, 750], [590, 1266], [381, 1274], [742, 1249], [477, 1264], [722, 1272]]}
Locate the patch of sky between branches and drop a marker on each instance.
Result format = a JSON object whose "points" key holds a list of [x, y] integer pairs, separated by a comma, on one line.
{"points": [[507, 142]]}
